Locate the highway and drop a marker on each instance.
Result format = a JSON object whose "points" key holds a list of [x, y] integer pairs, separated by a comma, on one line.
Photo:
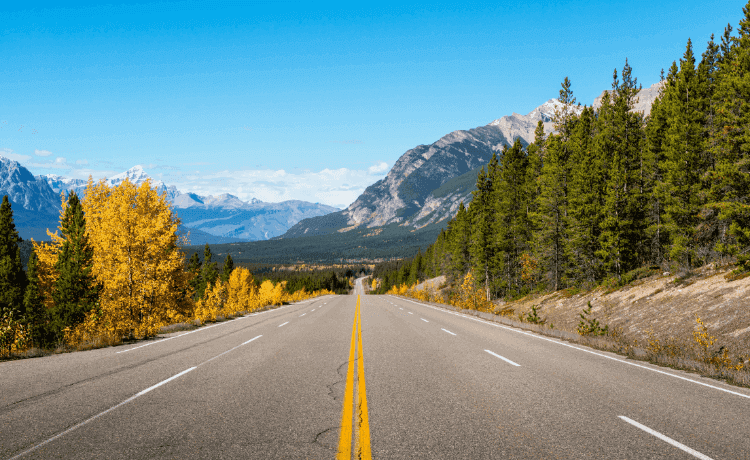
{"points": [[380, 377]]}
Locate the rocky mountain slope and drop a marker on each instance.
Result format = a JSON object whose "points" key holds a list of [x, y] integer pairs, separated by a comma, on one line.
{"points": [[646, 97], [427, 183], [35, 205]]}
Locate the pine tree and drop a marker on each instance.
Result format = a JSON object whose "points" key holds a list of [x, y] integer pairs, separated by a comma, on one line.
{"points": [[622, 245], [482, 246], [35, 312], [459, 231], [511, 229], [227, 268], [586, 201], [12, 276], [209, 272], [729, 182], [684, 159], [75, 291], [415, 270], [194, 268], [550, 218], [654, 159]]}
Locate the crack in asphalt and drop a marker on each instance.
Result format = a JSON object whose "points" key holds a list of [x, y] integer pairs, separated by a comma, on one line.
{"points": [[342, 380], [318, 435]]}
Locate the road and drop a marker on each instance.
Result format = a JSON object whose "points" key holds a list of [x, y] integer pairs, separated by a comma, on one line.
{"points": [[424, 382]]}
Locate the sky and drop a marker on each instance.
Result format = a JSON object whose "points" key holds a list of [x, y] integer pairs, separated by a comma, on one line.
{"points": [[293, 100]]}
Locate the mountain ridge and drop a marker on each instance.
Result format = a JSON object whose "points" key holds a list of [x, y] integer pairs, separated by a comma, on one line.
{"points": [[406, 195], [208, 219]]}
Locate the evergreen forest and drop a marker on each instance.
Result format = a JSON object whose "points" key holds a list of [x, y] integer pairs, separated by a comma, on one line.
{"points": [[612, 193]]}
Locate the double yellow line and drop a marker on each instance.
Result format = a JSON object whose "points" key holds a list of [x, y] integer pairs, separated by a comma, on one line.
{"points": [[361, 428]]}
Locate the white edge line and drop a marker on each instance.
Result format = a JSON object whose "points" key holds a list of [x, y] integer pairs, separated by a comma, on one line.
{"points": [[666, 439], [503, 358], [449, 332], [583, 349], [75, 427]]}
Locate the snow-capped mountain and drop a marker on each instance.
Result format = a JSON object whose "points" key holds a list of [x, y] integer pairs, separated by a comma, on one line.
{"points": [[136, 175], [211, 219], [34, 204], [420, 188], [24, 190]]}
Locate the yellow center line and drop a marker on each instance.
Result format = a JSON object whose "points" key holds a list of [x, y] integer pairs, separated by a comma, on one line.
{"points": [[362, 432], [363, 446]]}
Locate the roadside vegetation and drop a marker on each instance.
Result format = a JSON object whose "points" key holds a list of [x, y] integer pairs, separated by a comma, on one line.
{"points": [[611, 197], [115, 271]]}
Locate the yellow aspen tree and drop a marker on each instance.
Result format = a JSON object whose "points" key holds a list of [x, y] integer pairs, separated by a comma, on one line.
{"points": [[212, 303], [279, 293], [240, 292], [136, 259], [265, 294]]}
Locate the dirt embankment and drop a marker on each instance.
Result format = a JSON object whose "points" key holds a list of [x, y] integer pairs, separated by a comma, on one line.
{"points": [[666, 305]]}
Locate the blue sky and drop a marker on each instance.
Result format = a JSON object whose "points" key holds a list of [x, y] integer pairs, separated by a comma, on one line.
{"points": [[288, 100]]}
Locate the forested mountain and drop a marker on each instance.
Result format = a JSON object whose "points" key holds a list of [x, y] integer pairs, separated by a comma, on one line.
{"points": [[612, 191]]}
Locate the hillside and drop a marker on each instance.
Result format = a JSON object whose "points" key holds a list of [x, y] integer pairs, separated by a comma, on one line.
{"points": [[359, 245], [665, 304]]}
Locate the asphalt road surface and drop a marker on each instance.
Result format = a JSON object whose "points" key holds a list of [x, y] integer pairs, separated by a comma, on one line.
{"points": [[422, 382]]}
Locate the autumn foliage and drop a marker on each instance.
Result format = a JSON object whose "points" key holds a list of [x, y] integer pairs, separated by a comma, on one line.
{"points": [[469, 294], [142, 282]]}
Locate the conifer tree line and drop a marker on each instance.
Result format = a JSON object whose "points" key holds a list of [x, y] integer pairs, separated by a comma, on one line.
{"points": [[113, 271], [611, 191]]}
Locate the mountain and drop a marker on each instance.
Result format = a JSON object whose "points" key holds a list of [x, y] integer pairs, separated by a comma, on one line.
{"points": [[212, 219], [227, 216], [136, 175], [646, 97], [35, 205], [427, 184]]}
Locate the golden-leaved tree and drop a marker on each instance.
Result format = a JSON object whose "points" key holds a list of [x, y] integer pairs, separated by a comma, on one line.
{"points": [[136, 259], [242, 293]]}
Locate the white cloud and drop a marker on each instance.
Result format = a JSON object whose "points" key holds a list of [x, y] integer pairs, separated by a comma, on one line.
{"points": [[42, 153], [378, 168], [40, 167], [329, 186], [11, 155], [82, 162]]}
